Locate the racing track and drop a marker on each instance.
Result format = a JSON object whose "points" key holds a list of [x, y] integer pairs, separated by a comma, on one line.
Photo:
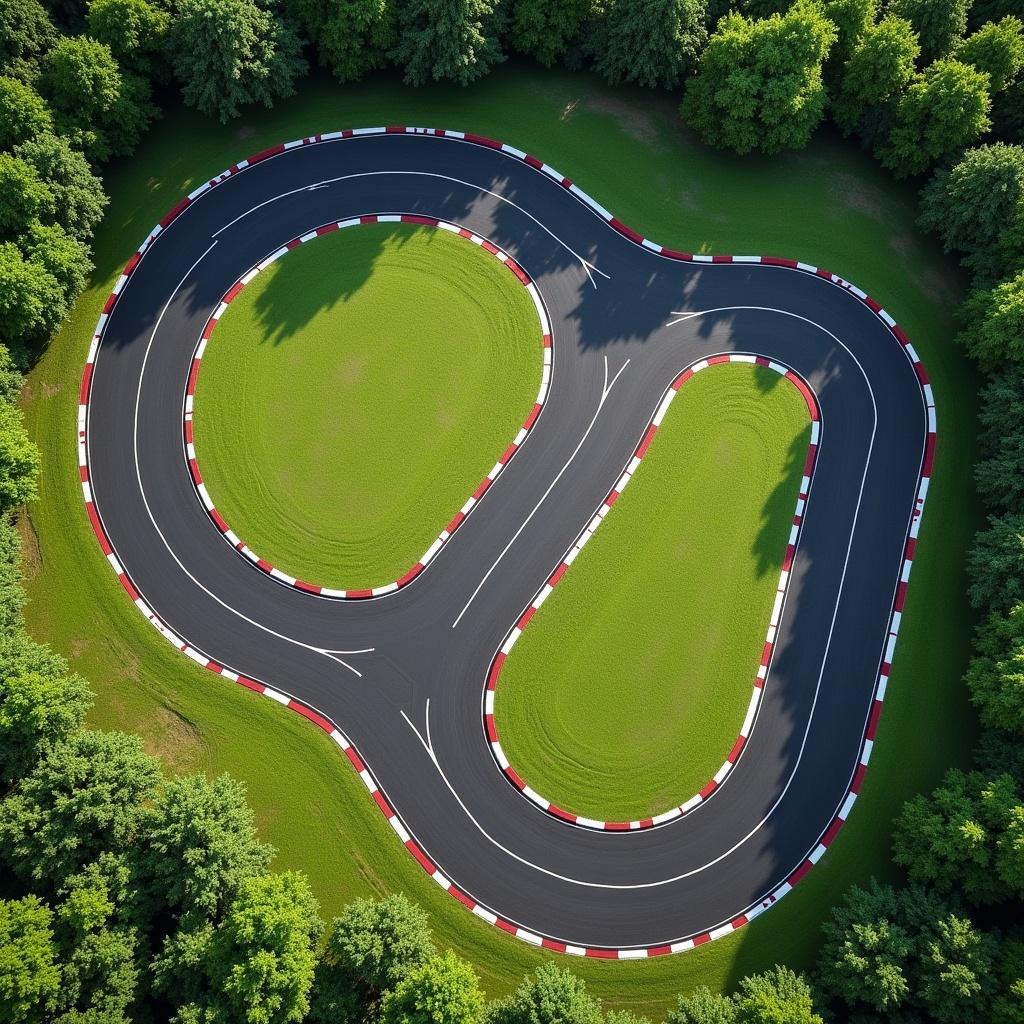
{"points": [[400, 677]]}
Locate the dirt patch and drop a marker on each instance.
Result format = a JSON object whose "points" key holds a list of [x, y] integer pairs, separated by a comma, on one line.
{"points": [[170, 735], [51, 389], [855, 194], [940, 283], [638, 124], [247, 131], [31, 551]]}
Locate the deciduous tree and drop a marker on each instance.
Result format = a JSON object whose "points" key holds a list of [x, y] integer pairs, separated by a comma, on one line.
{"points": [[444, 990], [25, 35], [23, 196], [23, 113], [29, 972], [356, 37], [938, 23], [552, 996], [997, 49], [995, 676], [993, 322], [545, 30]]}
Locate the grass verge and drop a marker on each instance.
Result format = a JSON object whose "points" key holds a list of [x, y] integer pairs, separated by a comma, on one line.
{"points": [[392, 417], [629, 688], [829, 205]]}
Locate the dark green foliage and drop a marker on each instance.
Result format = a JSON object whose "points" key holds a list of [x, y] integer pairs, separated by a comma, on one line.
{"points": [[654, 43], [545, 30], [79, 199], [999, 472], [258, 963], [968, 835], [995, 564], [29, 973], [23, 113], [938, 23], [227, 53], [995, 675], [444, 990], [993, 322], [66, 258], [978, 208], [23, 196], [1000, 751], [996, 48], [552, 996], [28, 294], [133, 29], [872, 80], [455, 40], [1008, 113], [84, 798], [703, 1006], [945, 108], [356, 37], [12, 595], [208, 828], [1008, 1005], [19, 461], [759, 83], [25, 35], [852, 19], [904, 953]]}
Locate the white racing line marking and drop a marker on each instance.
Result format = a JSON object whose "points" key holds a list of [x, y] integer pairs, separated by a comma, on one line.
{"points": [[605, 391], [333, 655], [810, 718], [586, 264]]}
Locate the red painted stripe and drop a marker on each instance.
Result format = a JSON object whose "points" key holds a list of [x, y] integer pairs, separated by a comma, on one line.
{"points": [[533, 162], [623, 229], [681, 379], [481, 490], [602, 954], [482, 140], [385, 807], [310, 588], [921, 375], [532, 418], [876, 711], [647, 823], [901, 335], [412, 218], [901, 596], [517, 270], [616, 826], [911, 547], [515, 777], [83, 473], [766, 654], [353, 755], [461, 897], [489, 247], [263, 154], [109, 304], [326, 229], [251, 684], [566, 183], [557, 574], [456, 520], [359, 594], [218, 520], [777, 261], [83, 391], [645, 442], [309, 713], [232, 293], [822, 272], [831, 832], [721, 259], [797, 875], [659, 950], [559, 813], [507, 454], [526, 616], [699, 940], [717, 360], [858, 778], [97, 528], [505, 926], [787, 562], [708, 789], [127, 584], [739, 922], [410, 575], [214, 667], [801, 386], [425, 862], [132, 264], [492, 678], [546, 341], [929, 456], [394, 129], [674, 254], [559, 947], [175, 211], [812, 452], [370, 218], [193, 374], [761, 361], [188, 431], [875, 307], [492, 733], [613, 496], [736, 748]]}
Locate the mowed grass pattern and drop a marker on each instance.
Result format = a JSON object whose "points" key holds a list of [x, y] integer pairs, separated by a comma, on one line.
{"points": [[626, 692], [355, 394]]}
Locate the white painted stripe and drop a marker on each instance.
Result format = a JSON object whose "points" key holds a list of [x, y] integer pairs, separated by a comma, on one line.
{"points": [[274, 695]]}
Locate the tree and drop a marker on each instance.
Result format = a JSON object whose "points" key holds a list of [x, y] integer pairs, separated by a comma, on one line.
{"points": [[259, 962], [778, 996], [943, 110], [999, 751], [25, 35], [29, 975], [23, 113], [993, 322], [999, 473], [23, 197], [444, 990], [995, 564], [20, 655], [356, 37], [83, 798], [956, 982], [878, 70], [853, 19], [997, 49], [201, 845], [66, 258], [552, 996], [759, 83], [27, 295], [133, 29], [966, 835], [545, 30], [19, 460], [12, 593], [939, 23], [1008, 1005], [35, 713], [995, 676], [79, 199], [228, 53], [82, 79], [653, 43], [978, 208], [703, 1006], [447, 39]]}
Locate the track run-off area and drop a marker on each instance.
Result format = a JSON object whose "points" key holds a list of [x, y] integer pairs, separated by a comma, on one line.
{"points": [[399, 678]]}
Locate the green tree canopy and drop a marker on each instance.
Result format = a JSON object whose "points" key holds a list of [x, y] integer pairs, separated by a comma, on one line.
{"points": [[993, 322], [66, 258], [356, 37], [25, 35], [653, 43], [853, 19], [444, 990], [133, 29], [967, 835], [995, 676], [83, 798], [545, 30], [552, 996], [939, 23], [454, 40], [229, 53], [995, 564], [997, 49], [23, 196], [27, 295], [999, 472], [702, 1006], [201, 844], [945, 108], [23, 113], [759, 83], [778, 996], [19, 460], [29, 972]]}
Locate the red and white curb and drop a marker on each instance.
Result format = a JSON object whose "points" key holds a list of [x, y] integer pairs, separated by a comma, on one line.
{"points": [[761, 676], [207, 334], [871, 721]]}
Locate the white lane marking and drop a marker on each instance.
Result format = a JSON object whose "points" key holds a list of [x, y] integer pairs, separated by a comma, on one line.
{"points": [[149, 511], [810, 718], [605, 391], [587, 266]]}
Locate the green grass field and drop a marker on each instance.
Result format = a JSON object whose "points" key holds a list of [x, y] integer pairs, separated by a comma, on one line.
{"points": [[339, 420], [627, 691], [829, 205]]}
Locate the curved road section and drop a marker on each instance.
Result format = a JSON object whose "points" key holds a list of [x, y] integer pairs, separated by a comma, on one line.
{"points": [[399, 677]]}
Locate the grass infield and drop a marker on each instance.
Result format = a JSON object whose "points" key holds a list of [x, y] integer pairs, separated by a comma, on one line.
{"points": [[829, 205], [628, 689], [356, 392]]}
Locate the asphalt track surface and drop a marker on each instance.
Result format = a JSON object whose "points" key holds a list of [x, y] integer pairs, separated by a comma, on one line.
{"points": [[411, 701]]}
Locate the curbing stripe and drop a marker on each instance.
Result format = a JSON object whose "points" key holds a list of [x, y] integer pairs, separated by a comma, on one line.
{"points": [[757, 908]]}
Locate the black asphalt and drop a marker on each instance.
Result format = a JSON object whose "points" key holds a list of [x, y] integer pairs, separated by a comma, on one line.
{"points": [[584, 887]]}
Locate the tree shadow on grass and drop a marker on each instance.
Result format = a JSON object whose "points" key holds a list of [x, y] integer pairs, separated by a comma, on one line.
{"points": [[777, 512]]}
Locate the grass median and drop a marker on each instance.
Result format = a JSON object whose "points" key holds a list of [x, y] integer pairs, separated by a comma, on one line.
{"points": [[340, 419], [829, 205], [628, 689]]}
